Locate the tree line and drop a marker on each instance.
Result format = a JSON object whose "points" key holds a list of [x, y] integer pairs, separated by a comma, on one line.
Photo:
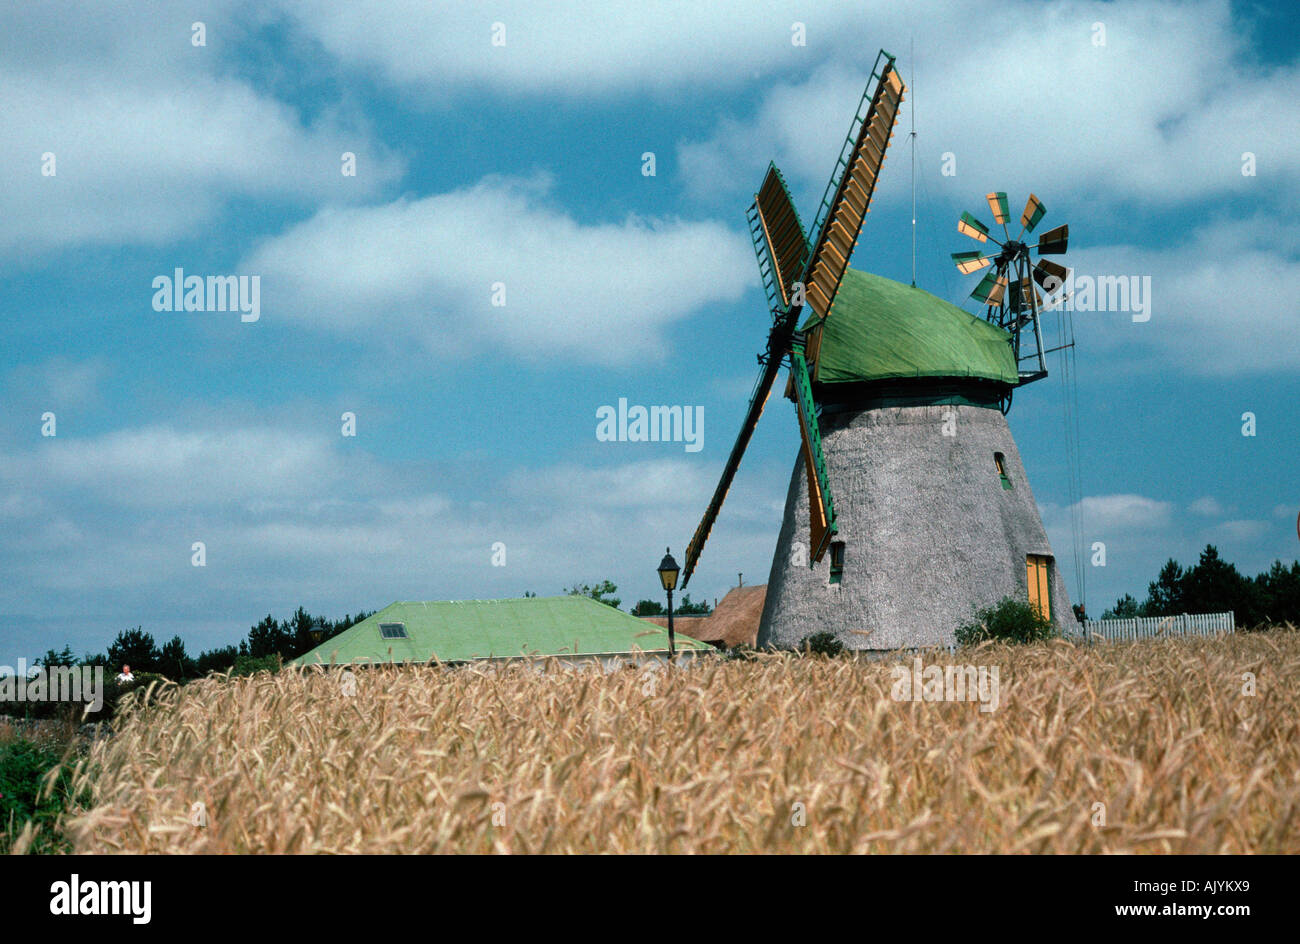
{"points": [[1212, 585], [604, 591], [268, 642]]}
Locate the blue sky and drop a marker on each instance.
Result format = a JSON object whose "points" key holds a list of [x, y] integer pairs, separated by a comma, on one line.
{"points": [[522, 164]]}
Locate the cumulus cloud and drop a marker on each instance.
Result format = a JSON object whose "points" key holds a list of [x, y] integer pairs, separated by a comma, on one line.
{"points": [[150, 136], [1207, 506], [573, 47], [1161, 113], [59, 382], [1241, 530], [650, 482], [427, 270], [1124, 513], [1218, 300], [287, 516]]}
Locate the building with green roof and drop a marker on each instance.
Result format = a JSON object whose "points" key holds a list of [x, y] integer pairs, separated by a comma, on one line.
{"points": [[571, 628]]}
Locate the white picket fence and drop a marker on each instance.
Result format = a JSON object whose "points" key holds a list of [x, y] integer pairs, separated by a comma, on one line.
{"points": [[1152, 627]]}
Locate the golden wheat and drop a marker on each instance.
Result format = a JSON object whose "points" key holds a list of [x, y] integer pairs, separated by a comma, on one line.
{"points": [[782, 754]]}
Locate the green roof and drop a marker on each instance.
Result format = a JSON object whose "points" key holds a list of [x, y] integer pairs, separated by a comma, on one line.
{"points": [[461, 630], [879, 329]]}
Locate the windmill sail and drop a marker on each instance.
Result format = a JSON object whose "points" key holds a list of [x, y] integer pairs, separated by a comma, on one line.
{"points": [[998, 204], [1054, 241], [756, 403], [1007, 290], [821, 510], [848, 194], [785, 257], [782, 234]]}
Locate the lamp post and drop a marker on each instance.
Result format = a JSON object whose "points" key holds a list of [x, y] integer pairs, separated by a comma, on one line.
{"points": [[668, 571]]}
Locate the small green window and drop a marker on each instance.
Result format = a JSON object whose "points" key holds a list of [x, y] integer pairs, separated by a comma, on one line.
{"points": [[392, 630], [837, 561], [1001, 462]]}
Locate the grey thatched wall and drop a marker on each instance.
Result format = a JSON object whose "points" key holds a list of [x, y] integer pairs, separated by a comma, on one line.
{"points": [[929, 531]]}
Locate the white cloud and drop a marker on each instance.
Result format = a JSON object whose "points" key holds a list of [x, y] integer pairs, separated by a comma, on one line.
{"points": [[575, 47], [150, 135], [800, 124], [59, 382], [1124, 513], [1163, 112], [162, 467], [106, 523], [1219, 300], [1242, 530], [644, 483], [1207, 506], [423, 270]]}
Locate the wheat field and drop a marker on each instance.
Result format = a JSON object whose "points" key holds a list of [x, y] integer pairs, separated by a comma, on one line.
{"points": [[1142, 747]]}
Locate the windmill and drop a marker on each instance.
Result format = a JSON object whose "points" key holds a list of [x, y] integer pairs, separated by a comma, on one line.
{"points": [[907, 504], [1013, 302]]}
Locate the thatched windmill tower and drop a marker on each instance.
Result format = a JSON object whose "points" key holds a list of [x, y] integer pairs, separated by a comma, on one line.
{"points": [[901, 399]]}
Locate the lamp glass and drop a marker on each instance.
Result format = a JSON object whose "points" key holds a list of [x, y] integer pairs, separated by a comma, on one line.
{"points": [[668, 571]]}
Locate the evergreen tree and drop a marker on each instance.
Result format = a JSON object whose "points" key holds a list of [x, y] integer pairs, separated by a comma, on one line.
{"points": [[1125, 608], [687, 608], [1215, 586], [136, 648], [173, 661], [299, 630], [267, 638], [57, 658], [216, 660], [1165, 595], [1277, 593]]}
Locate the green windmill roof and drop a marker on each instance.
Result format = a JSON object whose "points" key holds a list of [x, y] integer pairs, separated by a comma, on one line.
{"points": [[879, 329], [461, 630]]}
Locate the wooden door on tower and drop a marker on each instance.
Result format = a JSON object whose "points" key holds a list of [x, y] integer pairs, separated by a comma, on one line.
{"points": [[1039, 573]]}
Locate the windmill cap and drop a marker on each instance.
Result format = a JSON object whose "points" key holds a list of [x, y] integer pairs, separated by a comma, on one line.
{"points": [[879, 329]]}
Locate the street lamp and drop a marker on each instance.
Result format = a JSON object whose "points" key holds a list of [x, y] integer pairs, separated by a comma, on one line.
{"points": [[668, 571]]}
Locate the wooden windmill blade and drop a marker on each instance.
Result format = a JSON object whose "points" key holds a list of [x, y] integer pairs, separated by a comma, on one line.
{"points": [[786, 257], [1048, 272], [848, 194], [781, 250], [821, 509], [778, 236], [998, 204], [1054, 241], [758, 400], [1007, 290]]}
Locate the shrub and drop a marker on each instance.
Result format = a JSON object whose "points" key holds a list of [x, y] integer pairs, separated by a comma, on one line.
{"points": [[821, 644], [251, 665], [114, 690], [1008, 620], [24, 765]]}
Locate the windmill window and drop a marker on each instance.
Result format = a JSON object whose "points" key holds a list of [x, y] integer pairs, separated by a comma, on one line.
{"points": [[837, 561], [1000, 461], [392, 630]]}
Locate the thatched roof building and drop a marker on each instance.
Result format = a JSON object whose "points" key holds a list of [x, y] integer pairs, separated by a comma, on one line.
{"points": [[734, 622]]}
